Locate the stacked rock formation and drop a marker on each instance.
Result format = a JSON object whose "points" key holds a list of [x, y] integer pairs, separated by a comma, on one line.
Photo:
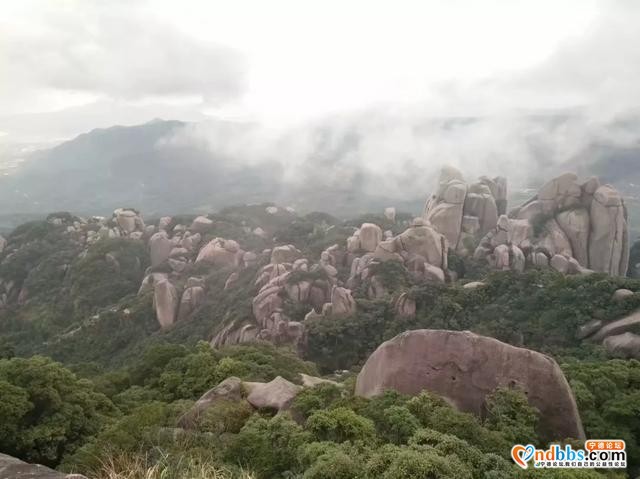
{"points": [[464, 368], [620, 337], [290, 277], [573, 227], [420, 248], [276, 395], [463, 212]]}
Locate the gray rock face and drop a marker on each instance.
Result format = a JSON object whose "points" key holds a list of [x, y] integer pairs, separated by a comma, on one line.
{"points": [[191, 299], [424, 241], [588, 329], [201, 224], [609, 238], [370, 236], [625, 346], [221, 252], [160, 247], [463, 368], [3, 244], [585, 223], [276, 394], [621, 294], [165, 300], [342, 303], [576, 225], [463, 212], [285, 254], [12, 468], [623, 325], [231, 389]]}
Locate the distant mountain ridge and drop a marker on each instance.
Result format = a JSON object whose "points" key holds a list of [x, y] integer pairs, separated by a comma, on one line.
{"points": [[142, 166]]}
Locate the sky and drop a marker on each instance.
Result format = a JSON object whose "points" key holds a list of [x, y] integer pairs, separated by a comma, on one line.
{"points": [[73, 65]]}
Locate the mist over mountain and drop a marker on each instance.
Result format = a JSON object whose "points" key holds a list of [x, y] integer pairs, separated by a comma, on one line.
{"points": [[344, 165]]}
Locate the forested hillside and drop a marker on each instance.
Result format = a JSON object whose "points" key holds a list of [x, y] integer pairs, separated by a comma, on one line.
{"points": [[234, 344]]}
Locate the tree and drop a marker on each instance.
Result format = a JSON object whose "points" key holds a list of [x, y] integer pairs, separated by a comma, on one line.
{"points": [[46, 410]]}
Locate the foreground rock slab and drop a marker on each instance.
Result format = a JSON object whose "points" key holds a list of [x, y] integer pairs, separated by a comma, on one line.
{"points": [[12, 468], [463, 368]]}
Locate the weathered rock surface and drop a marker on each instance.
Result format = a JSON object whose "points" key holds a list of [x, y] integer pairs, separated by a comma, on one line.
{"points": [[463, 368], [621, 294], [625, 346], [160, 247], [463, 212], [584, 223], [609, 238], [276, 394], [231, 389], [201, 224], [623, 325], [221, 252], [12, 468], [284, 254], [588, 329], [165, 300]]}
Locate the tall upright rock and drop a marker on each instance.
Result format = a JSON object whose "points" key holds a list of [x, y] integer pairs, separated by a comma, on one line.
{"points": [[609, 237], [463, 212]]}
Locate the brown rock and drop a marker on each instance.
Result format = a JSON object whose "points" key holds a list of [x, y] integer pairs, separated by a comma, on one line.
{"points": [[463, 368]]}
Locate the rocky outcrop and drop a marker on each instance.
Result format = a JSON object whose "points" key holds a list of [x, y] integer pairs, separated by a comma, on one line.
{"points": [[231, 389], [3, 244], [221, 252], [277, 394], [285, 254], [366, 238], [160, 247], [405, 306], [12, 468], [201, 225], [625, 346], [192, 298], [464, 368], [575, 228], [463, 212], [609, 238], [629, 323], [128, 220], [165, 301]]}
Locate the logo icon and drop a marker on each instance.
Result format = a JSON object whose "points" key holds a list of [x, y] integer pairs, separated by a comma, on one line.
{"points": [[597, 453]]}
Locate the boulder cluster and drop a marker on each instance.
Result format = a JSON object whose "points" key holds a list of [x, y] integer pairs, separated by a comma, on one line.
{"points": [[620, 338], [572, 227], [289, 276], [465, 212], [276, 396], [174, 249]]}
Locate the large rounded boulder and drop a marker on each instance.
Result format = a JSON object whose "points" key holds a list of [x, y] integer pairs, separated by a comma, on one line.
{"points": [[463, 368]]}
